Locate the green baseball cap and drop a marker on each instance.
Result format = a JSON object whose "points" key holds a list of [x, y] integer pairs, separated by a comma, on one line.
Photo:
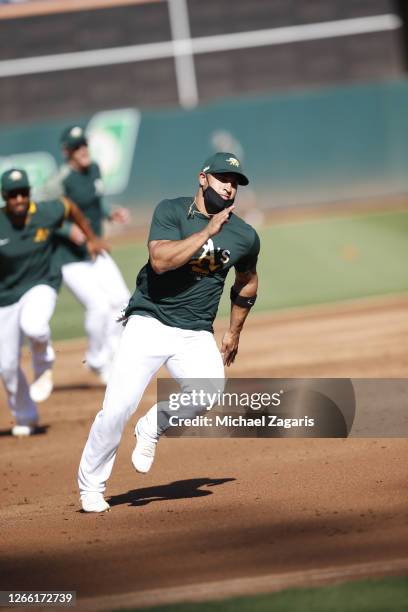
{"points": [[14, 179], [73, 137], [225, 162]]}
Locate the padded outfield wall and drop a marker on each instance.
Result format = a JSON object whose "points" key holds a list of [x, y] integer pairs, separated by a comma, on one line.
{"points": [[324, 145]]}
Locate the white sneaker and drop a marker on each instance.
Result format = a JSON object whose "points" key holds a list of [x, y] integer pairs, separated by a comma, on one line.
{"points": [[22, 431], [94, 502], [41, 388], [143, 454]]}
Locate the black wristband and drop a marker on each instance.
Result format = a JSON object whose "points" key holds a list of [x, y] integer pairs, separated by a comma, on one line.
{"points": [[239, 300]]}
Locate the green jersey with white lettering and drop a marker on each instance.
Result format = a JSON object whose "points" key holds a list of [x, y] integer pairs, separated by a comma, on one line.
{"points": [[188, 297], [26, 253]]}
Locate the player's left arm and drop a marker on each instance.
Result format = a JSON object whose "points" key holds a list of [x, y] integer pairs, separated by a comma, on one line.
{"points": [[117, 214], [243, 296]]}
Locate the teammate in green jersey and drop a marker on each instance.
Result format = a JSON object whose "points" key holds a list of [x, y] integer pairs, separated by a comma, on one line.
{"points": [[28, 290], [193, 243], [97, 284]]}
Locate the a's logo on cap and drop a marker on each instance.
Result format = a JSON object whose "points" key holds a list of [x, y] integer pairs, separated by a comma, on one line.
{"points": [[76, 132], [233, 161], [16, 175], [206, 168]]}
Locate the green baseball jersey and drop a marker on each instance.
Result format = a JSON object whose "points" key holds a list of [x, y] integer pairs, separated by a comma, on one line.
{"points": [[26, 253], [85, 189], [188, 297]]}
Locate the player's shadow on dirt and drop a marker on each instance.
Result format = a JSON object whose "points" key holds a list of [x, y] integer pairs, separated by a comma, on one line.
{"points": [[180, 489], [41, 429]]}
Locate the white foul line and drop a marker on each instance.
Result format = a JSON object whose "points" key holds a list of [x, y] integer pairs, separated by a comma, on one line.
{"points": [[203, 44]]}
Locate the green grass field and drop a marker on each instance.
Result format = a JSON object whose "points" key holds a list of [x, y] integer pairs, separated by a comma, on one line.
{"points": [[312, 262], [387, 595]]}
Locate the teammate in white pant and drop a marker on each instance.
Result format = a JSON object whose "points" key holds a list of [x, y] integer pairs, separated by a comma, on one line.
{"points": [[193, 242], [97, 284], [28, 284]]}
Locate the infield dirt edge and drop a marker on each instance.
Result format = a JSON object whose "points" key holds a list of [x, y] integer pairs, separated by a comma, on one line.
{"points": [[223, 589]]}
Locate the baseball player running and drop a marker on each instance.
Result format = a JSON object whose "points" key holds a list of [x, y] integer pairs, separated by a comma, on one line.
{"points": [[193, 243], [28, 284], [96, 283]]}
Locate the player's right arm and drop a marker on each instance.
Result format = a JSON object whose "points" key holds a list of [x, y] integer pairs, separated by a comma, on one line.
{"points": [[166, 255], [95, 244]]}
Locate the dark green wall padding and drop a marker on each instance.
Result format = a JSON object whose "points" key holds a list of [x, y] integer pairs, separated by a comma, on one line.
{"points": [[323, 145]]}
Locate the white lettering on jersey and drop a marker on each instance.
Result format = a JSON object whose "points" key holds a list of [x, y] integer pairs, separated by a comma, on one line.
{"points": [[210, 259]]}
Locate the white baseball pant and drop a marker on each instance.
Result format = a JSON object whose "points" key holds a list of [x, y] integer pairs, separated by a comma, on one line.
{"points": [[29, 317], [99, 286], [145, 345]]}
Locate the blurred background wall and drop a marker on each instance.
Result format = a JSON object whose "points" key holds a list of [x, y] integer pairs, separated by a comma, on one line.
{"points": [[311, 93]]}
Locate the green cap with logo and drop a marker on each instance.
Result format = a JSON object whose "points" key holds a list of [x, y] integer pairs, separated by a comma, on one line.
{"points": [[225, 162], [73, 137], [14, 179]]}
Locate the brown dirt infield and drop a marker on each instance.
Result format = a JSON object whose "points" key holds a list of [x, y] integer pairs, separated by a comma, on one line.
{"points": [[213, 509]]}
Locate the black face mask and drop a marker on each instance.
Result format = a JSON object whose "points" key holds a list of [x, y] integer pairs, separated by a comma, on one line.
{"points": [[213, 202]]}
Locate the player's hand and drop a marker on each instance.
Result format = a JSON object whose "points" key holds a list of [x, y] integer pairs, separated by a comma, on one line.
{"points": [[218, 220], [229, 347], [98, 246], [120, 215], [76, 235]]}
